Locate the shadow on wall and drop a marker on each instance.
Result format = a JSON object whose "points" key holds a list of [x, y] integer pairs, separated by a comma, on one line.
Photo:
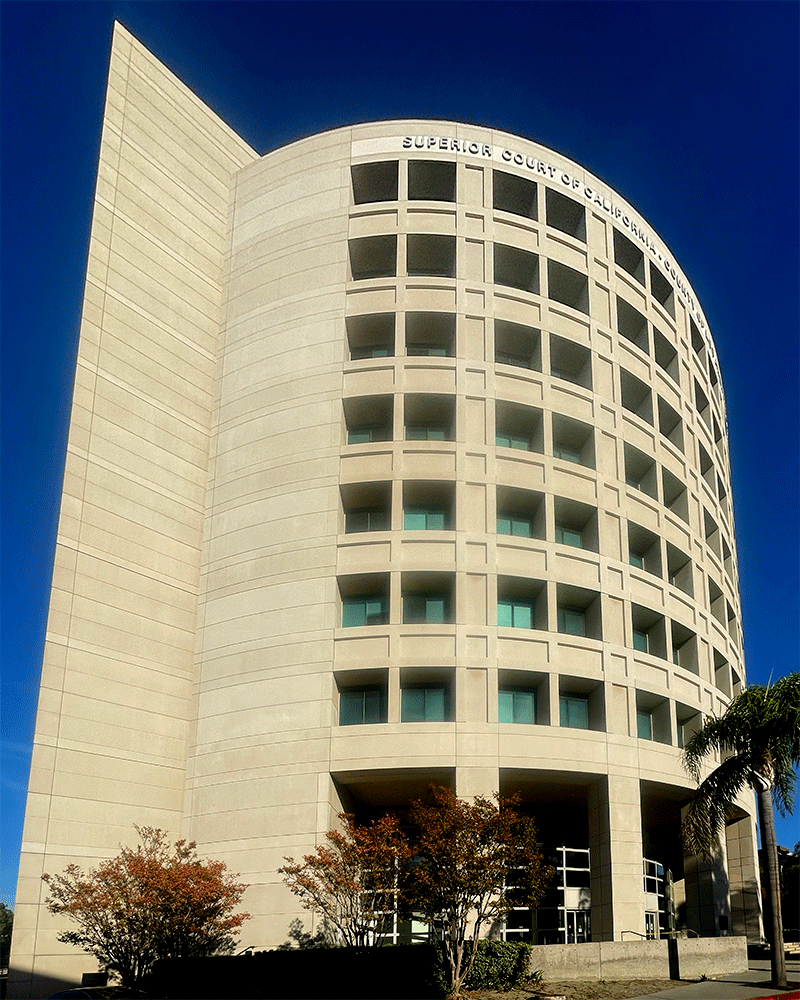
{"points": [[19, 984]]}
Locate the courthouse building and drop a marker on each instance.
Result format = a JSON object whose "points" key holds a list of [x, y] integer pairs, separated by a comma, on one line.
{"points": [[397, 456]]}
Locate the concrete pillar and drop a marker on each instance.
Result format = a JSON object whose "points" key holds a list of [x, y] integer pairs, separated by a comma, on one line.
{"points": [[615, 840], [743, 875], [472, 782], [707, 902]]}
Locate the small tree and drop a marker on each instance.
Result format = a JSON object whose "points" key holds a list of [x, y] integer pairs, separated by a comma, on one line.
{"points": [[6, 924], [351, 881], [149, 903], [473, 862]]}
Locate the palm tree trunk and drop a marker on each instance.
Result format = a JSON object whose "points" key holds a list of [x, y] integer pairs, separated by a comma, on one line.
{"points": [[767, 824]]}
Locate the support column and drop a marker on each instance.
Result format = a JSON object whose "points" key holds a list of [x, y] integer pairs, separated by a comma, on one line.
{"points": [[615, 841], [743, 875], [474, 781], [707, 907]]}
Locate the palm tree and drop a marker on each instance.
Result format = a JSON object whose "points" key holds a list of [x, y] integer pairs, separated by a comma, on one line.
{"points": [[758, 738]]}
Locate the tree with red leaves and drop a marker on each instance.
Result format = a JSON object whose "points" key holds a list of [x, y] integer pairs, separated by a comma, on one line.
{"points": [[149, 903], [473, 862], [351, 881]]}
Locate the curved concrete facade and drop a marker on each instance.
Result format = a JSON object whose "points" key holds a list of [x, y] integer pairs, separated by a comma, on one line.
{"points": [[458, 511], [469, 517]]}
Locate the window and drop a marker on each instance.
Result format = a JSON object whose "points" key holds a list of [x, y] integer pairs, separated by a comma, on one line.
{"points": [[425, 519], [653, 718], [510, 524], [518, 345], [640, 471], [697, 342], [371, 336], [431, 254], [675, 498], [366, 519], [567, 286], [702, 404], [662, 290], [576, 524], [574, 711], [368, 418], [688, 720], [515, 613], [514, 194], [572, 621], [503, 440], [366, 507], [431, 609], [424, 704], [521, 603], [426, 351], [374, 181], [430, 334], [670, 424], [565, 214], [648, 631], [428, 417], [373, 257], [632, 325], [369, 609], [684, 648], [375, 351], [644, 549], [516, 268], [520, 512], [519, 427], [579, 611], [566, 535], [570, 361], [361, 706], [629, 257], [666, 355], [679, 570], [516, 705], [363, 435], [566, 454], [573, 441], [422, 432], [431, 180], [636, 396]]}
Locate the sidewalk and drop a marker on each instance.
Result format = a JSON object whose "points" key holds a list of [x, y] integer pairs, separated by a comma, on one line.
{"points": [[751, 985]]}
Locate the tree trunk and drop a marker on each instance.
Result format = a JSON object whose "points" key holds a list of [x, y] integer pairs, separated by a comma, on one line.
{"points": [[767, 824]]}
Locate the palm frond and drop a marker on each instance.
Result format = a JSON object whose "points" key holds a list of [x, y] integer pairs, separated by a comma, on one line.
{"points": [[711, 803], [759, 735]]}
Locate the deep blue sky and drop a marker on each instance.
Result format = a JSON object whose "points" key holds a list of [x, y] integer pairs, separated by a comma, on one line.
{"points": [[689, 110]]}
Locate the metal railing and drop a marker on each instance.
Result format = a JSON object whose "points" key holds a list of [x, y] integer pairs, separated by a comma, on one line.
{"points": [[685, 932]]}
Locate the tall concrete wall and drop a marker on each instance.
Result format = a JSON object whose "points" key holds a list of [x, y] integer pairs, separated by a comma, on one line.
{"points": [[111, 729]]}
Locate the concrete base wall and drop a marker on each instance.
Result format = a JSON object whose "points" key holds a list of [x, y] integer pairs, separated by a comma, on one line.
{"points": [[686, 958]]}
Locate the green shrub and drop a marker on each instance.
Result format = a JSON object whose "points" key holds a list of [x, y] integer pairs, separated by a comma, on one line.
{"points": [[498, 965]]}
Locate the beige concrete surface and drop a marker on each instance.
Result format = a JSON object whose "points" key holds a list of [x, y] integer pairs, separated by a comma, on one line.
{"points": [[466, 395]]}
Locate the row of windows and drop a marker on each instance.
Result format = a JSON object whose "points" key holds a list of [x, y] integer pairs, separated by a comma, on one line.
{"points": [[524, 702], [428, 417], [561, 917], [522, 603], [521, 513], [433, 334], [433, 255], [437, 181], [429, 506]]}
